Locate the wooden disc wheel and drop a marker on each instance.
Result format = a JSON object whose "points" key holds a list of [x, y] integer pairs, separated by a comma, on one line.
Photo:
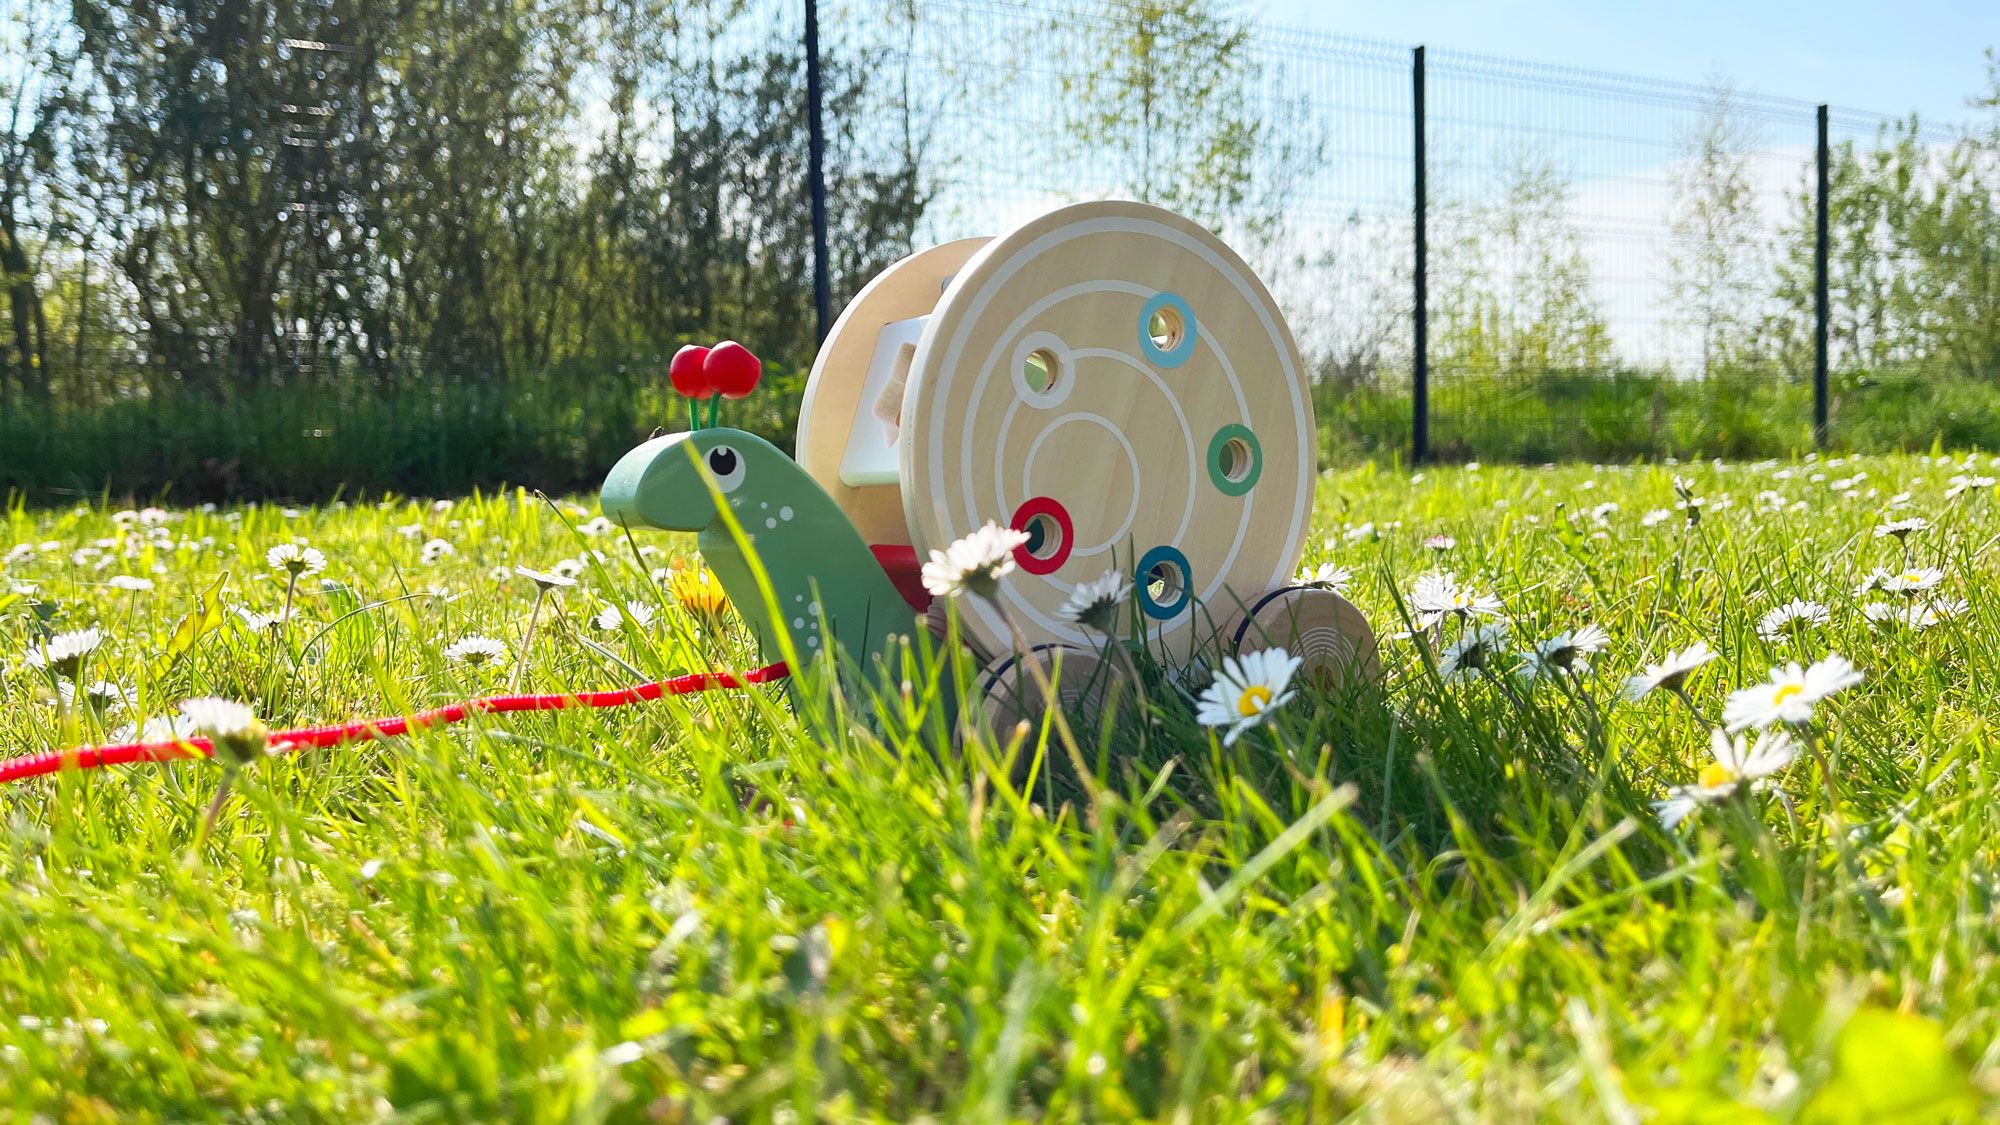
{"points": [[1320, 627], [1081, 678], [845, 441], [1113, 380]]}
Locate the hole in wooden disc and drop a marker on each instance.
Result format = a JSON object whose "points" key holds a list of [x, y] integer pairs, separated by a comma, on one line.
{"points": [[1040, 370], [1165, 328]]}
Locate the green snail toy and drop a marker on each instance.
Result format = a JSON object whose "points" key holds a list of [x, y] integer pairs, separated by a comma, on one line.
{"points": [[1109, 378]]}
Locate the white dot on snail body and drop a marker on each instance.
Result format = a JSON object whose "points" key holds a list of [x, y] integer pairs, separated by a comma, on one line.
{"points": [[812, 642], [785, 512], [798, 622], [769, 522]]}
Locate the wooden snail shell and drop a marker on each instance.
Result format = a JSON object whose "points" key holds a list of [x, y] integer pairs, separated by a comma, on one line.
{"points": [[1110, 378]]}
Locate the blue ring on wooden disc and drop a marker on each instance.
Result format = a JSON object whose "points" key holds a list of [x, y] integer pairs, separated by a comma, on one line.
{"points": [[1217, 444], [1181, 352], [1173, 557]]}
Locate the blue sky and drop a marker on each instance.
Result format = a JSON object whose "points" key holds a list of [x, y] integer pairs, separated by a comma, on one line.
{"points": [[1862, 54]]}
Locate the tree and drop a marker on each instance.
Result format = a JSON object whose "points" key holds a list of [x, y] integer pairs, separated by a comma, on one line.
{"points": [[1716, 260]]}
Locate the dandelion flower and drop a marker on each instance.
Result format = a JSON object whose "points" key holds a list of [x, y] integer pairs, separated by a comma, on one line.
{"points": [[476, 651], [698, 593], [1327, 576], [1668, 674], [1789, 695], [545, 581], [64, 653], [1473, 651], [1736, 767], [1094, 604], [1436, 596], [1901, 529], [1794, 614], [974, 564], [295, 559], [642, 615], [1249, 688], [1567, 652]]}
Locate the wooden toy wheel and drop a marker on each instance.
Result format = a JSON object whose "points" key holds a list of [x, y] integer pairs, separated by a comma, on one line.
{"points": [[1116, 382], [1320, 627], [839, 419], [1081, 678]]}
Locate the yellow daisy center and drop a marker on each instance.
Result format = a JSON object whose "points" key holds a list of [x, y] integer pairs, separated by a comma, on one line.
{"points": [[1784, 694], [1715, 775], [1254, 699]]}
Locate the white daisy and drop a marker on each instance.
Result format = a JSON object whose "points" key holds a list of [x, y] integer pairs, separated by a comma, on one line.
{"points": [[64, 653], [544, 581], [1248, 688], [436, 549], [1473, 651], [263, 622], [1913, 581], [1436, 596], [1440, 542], [598, 526], [1901, 529], [569, 569], [642, 616], [1789, 695], [101, 695], [295, 559], [1669, 673], [1094, 604], [1964, 483], [975, 563], [1736, 768], [476, 651], [1327, 576], [1567, 652], [1794, 614], [131, 582], [231, 726]]}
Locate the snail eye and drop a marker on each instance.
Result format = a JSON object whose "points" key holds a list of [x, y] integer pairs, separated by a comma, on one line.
{"points": [[727, 466]]}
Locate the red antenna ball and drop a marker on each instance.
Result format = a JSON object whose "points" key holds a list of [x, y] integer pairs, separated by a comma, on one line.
{"points": [[687, 372], [732, 370]]}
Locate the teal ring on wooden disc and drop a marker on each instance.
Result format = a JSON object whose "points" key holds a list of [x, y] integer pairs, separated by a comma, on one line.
{"points": [[1218, 448], [1180, 589], [1183, 348]]}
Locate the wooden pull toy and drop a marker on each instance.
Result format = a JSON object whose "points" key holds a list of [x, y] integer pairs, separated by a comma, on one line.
{"points": [[1109, 378]]}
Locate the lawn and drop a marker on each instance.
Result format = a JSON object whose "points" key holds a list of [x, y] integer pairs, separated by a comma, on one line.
{"points": [[1454, 898]]}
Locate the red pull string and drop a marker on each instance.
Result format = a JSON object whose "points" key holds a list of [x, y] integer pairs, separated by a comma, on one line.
{"points": [[364, 730]]}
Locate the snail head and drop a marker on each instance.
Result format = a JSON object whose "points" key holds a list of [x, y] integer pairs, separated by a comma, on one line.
{"points": [[677, 482]]}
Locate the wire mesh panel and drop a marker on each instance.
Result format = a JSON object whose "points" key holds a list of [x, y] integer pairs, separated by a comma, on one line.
{"points": [[1603, 262], [1913, 278], [1294, 147]]}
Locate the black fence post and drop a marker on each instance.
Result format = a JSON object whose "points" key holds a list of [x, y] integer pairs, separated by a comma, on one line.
{"points": [[816, 177], [1420, 370], [1820, 310]]}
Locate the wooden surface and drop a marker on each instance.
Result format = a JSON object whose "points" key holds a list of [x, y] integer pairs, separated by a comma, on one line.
{"points": [[1123, 439], [1082, 680], [909, 288], [1317, 625]]}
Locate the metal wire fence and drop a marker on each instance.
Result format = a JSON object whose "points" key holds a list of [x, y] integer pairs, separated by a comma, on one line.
{"points": [[1616, 266]]}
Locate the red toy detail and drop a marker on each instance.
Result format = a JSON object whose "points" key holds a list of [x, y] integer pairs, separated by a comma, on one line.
{"points": [[687, 372], [905, 571], [732, 370]]}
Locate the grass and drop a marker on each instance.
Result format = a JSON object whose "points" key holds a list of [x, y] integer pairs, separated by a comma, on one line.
{"points": [[1449, 900]]}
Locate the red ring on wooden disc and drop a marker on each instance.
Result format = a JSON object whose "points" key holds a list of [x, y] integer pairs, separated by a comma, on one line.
{"points": [[1026, 514]]}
